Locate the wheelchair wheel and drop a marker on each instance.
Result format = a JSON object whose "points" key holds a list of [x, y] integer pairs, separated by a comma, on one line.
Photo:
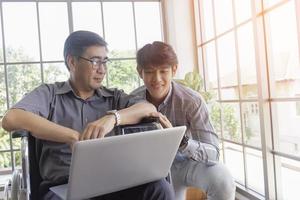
{"points": [[16, 185]]}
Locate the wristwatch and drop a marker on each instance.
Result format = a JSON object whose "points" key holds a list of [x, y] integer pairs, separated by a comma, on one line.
{"points": [[117, 116], [184, 141]]}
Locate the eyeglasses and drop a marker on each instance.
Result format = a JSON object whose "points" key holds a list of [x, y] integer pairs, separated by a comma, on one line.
{"points": [[96, 62]]}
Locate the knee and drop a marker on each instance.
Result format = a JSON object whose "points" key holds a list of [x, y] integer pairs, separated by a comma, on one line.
{"points": [[222, 184], [162, 190]]}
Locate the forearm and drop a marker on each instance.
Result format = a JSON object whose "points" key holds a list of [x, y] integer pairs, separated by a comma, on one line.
{"points": [[39, 127], [136, 112]]}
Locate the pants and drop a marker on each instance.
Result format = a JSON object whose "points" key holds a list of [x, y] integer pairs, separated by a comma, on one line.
{"points": [[157, 190], [215, 180]]}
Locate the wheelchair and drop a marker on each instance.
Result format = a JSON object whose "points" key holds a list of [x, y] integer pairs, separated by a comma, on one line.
{"points": [[25, 183]]}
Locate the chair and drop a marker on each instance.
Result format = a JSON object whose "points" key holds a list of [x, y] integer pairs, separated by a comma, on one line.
{"points": [[25, 184]]}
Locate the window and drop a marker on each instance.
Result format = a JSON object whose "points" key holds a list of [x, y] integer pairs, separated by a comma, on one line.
{"points": [[250, 58], [31, 48]]}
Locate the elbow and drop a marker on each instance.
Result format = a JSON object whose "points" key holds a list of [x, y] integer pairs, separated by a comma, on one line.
{"points": [[7, 121]]}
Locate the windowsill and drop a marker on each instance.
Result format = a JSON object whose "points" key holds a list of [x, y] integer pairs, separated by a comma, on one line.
{"points": [[247, 194]]}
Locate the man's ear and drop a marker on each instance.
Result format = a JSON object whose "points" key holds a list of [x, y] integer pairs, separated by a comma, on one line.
{"points": [[139, 70], [174, 70], [71, 60]]}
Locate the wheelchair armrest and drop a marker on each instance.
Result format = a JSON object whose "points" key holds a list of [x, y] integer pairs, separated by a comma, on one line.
{"points": [[19, 134]]}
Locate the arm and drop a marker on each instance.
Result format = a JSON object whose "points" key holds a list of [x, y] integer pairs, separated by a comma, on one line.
{"points": [[16, 119], [130, 115], [204, 145]]}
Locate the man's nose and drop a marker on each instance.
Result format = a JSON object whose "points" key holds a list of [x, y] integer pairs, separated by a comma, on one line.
{"points": [[101, 68], [157, 77]]}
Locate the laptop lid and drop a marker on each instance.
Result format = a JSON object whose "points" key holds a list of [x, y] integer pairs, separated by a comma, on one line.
{"points": [[111, 164]]}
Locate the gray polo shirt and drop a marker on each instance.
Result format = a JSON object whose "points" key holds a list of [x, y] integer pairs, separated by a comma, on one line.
{"points": [[184, 106], [58, 103]]}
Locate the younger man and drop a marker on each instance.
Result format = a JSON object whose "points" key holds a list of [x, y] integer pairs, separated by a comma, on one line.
{"points": [[196, 163]]}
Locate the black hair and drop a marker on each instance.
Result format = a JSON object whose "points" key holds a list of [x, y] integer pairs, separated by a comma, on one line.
{"points": [[78, 41]]}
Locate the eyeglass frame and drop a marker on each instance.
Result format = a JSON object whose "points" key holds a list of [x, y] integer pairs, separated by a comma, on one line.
{"points": [[96, 64]]}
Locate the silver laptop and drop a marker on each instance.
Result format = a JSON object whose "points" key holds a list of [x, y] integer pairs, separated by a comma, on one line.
{"points": [[111, 164]]}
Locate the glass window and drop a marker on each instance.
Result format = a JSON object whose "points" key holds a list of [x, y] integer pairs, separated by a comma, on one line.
{"points": [[242, 10], [87, 16], [21, 33], [4, 142], [283, 50], [247, 61], [148, 24], [224, 15], [208, 20], [21, 80], [5, 161], [255, 177], [3, 102], [231, 121], [286, 122], [55, 72], [123, 74], [235, 161], [251, 124], [211, 67], [120, 36], [1, 43], [54, 29], [227, 66], [289, 176]]}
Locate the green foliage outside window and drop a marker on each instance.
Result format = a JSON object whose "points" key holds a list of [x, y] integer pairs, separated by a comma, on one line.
{"points": [[194, 81], [122, 73]]}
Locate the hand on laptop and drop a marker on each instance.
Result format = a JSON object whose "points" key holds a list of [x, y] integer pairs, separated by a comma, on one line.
{"points": [[98, 128], [162, 119]]}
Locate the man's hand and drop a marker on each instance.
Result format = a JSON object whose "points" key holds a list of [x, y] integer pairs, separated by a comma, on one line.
{"points": [[164, 121], [98, 128]]}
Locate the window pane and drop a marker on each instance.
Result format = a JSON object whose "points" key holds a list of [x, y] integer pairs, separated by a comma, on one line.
{"points": [[5, 161], [215, 115], [208, 23], [16, 143], [242, 10], [122, 74], [148, 25], [18, 158], [290, 176], [231, 121], [28, 76], [286, 122], [251, 124], [284, 54], [55, 72], [269, 3], [21, 33], [1, 44], [255, 176], [119, 30], [3, 103], [224, 17], [234, 161], [211, 67], [87, 16], [247, 61], [227, 66], [4, 140], [54, 29]]}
